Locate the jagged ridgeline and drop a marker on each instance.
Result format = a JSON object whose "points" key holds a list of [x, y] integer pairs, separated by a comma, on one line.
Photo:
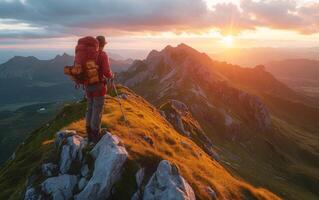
{"points": [[262, 130], [145, 158]]}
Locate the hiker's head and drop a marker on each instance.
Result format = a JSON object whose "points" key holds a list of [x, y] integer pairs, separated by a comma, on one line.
{"points": [[102, 41]]}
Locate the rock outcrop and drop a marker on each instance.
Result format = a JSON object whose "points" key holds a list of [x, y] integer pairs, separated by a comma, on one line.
{"points": [[139, 176], [31, 194], [258, 110], [109, 158], [64, 183], [178, 114], [49, 169], [167, 184], [71, 151], [252, 106], [60, 187]]}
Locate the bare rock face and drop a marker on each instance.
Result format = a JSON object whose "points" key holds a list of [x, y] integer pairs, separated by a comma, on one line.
{"points": [[109, 158], [177, 110], [31, 194], [253, 106], [180, 106], [139, 176], [108, 155], [65, 159], [257, 109], [60, 187], [179, 115], [49, 169], [71, 151], [61, 135], [85, 170], [82, 183], [167, 184]]}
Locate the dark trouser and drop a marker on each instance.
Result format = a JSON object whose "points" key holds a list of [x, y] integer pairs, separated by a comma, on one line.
{"points": [[94, 112]]}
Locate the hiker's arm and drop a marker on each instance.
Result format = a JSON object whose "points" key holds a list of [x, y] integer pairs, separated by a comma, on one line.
{"points": [[106, 67]]}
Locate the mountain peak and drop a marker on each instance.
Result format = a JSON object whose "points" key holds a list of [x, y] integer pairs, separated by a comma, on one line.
{"points": [[181, 49], [181, 46], [23, 58], [62, 58], [184, 46], [64, 55]]}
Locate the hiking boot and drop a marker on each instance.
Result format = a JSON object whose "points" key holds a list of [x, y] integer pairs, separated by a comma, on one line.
{"points": [[89, 134]]}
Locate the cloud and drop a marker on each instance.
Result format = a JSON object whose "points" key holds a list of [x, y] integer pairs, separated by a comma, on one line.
{"points": [[120, 15], [60, 18], [282, 14], [272, 13]]}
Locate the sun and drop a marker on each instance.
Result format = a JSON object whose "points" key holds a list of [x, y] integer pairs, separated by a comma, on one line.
{"points": [[228, 41]]}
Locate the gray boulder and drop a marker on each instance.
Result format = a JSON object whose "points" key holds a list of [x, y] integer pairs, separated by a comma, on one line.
{"points": [[61, 135], [49, 169], [139, 176], [167, 184], [60, 187], [85, 170], [109, 159], [71, 151], [65, 159], [82, 183], [31, 194]]}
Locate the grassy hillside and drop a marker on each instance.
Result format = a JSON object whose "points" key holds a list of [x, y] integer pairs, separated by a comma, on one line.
{"points": [[29, 155], [16, 125], [144, 121]]}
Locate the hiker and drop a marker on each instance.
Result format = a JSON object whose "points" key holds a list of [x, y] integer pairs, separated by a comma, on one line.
{"points": [[91, 67], [95, 94]]}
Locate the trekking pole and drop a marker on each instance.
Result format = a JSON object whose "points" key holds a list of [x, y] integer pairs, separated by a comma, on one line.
{"points": [[117, 96]]}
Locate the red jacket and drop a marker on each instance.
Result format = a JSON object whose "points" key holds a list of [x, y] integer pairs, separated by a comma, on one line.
{"points": [[104, 72]]}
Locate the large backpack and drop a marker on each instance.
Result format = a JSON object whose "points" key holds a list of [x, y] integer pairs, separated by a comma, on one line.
{"points": [[85, 69]]}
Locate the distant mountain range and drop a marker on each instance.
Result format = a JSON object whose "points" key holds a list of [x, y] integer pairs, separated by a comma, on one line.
{"points": [[295, 68], [300, 74], [28, 84], [250, 57], [27, 79]]}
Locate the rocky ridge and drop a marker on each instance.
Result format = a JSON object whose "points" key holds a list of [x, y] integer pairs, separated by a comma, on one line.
{"points": [[94, 181], [183, 73], [179, 115]]}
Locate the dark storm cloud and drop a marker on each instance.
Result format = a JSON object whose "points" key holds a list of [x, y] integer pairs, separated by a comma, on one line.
{"points": [[58, 18]]}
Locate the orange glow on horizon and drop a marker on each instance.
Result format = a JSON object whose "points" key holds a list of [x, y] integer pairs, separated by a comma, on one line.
{"points": [[228, 41]]}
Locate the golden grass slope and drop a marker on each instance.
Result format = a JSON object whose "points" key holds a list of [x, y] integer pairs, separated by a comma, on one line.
{"points": [[144, 121]]}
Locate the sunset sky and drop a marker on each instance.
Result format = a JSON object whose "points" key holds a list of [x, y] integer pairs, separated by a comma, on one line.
{"points": [[147, 24]]}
